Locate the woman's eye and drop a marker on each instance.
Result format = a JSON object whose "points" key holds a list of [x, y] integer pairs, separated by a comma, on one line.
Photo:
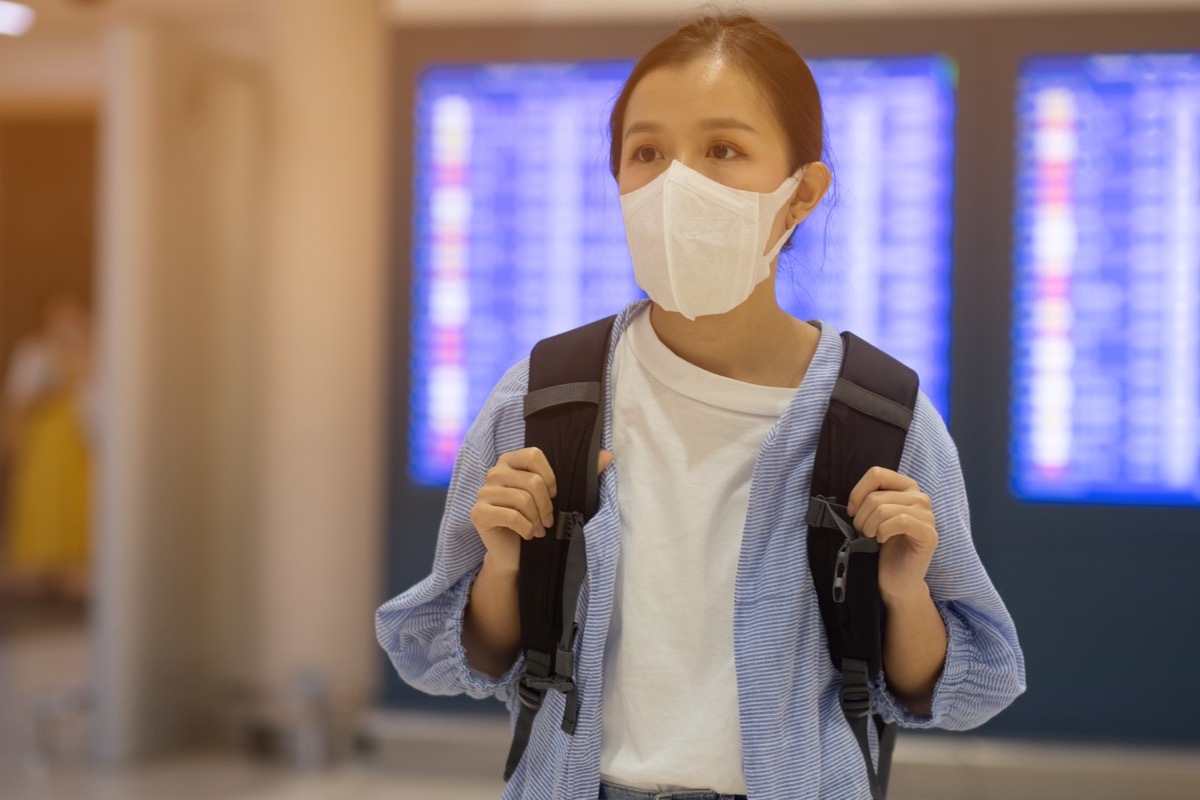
{"points": [[723, 152], [645, 154]]}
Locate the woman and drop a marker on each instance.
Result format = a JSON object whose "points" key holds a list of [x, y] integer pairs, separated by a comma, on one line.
{"points": [[701, 662], [46, 404]]}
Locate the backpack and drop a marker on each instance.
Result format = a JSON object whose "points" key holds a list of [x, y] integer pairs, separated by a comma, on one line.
{"points": [[865, 426]]}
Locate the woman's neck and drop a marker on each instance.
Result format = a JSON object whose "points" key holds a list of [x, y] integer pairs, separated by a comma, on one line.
{"points": [[757, 342]]}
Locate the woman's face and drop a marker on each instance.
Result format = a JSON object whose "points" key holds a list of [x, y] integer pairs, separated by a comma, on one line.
{"points": [[709, 116]]}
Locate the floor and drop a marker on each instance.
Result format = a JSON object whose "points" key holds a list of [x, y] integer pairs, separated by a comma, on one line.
{"points": [[44, 661]]}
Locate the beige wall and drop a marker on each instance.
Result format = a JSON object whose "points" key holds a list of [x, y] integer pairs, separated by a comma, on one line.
{"points": [[50, 69], [47, 211]]}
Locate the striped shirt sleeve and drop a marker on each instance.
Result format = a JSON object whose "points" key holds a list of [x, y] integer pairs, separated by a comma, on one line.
{"points": [[984, 669], [421, 629]]}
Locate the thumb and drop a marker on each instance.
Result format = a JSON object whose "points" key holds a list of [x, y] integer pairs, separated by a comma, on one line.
{"points": [[606, 458]]}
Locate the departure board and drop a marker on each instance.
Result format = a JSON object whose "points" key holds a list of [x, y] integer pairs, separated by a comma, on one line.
{"points": [[518, 231], [1106, 373]]}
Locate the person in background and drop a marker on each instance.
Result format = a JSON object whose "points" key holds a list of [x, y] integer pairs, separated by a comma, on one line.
{"points": [[701, 664], [46, 408]]}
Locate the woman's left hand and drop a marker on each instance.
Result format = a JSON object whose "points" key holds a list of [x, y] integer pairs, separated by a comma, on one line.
{"points": [[891, 507]]}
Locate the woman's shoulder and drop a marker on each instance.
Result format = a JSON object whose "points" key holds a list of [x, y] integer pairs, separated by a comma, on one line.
{"points": [[929, 451], [928, 426], [500, 424]]}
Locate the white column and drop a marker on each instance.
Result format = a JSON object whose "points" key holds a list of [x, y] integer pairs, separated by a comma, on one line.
{"points": [[130, 209], [178, 234], [321, 447]]}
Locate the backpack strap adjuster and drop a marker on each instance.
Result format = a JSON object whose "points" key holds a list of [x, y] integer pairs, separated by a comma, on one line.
{"points": [[564, 660], [856, 692], [567, 525], [826, 512], [841, 569]]}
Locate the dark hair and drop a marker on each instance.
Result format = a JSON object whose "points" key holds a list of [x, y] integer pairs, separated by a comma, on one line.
{"points": [[762, 54]]}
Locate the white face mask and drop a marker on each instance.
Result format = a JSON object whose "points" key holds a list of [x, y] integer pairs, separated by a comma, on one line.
{"points": [[698, 246]]}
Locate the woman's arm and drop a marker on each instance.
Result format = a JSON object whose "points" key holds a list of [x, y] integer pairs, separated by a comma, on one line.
{"points": [[914, 649], [951, 659], [492, 627], [514, 503], [891, 508], [422, 629]]}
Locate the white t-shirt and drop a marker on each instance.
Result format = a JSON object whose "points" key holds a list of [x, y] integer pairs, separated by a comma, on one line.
{"points": [[685, 442]]}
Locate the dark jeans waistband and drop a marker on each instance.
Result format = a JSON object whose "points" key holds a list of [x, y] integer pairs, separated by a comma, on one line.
{"points": [[610, 792]]}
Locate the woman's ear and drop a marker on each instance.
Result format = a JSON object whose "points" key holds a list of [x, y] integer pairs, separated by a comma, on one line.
{"points": [[813, 186]]}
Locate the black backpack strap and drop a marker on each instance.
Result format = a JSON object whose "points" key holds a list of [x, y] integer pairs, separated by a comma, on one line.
{"points": [[865, 426], [564, 418]]}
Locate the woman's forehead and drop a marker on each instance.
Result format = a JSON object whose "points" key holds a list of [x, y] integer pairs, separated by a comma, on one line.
{"points": [[701, 90]]}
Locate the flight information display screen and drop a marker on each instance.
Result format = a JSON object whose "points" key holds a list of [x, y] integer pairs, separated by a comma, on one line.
{"points": [[518, 231], [1106, 374]]}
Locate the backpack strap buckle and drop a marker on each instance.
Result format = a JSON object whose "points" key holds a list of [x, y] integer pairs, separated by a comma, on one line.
{"points": [[855, 697], [532, 685], [856, 706], [558, 683], [530, 697]]}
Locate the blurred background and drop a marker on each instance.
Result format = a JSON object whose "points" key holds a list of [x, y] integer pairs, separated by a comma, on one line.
{"points": [[262, 260]]}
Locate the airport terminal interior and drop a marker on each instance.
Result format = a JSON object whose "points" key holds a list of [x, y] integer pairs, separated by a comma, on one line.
{"points": [[263, 261]]}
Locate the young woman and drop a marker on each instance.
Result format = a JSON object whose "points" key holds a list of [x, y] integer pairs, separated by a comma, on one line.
{"points": [[702, 664]]}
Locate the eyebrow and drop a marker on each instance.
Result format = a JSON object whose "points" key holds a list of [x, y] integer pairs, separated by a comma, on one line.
{"points": [[714, 124]]}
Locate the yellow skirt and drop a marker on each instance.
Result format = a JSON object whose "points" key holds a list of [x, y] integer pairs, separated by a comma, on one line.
{"points": [[47, 512]]}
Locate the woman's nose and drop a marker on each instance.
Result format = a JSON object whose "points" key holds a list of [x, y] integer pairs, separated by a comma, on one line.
{"points": [[692, 162]]}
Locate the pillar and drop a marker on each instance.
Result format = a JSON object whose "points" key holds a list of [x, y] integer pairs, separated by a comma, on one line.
{"points": [[320, 454]]}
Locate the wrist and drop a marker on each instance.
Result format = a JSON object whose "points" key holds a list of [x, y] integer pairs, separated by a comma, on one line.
{"points": [[500, 568], [915, 596]]}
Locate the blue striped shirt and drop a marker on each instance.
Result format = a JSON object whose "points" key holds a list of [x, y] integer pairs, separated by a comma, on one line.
{"points": [[795, 739]]}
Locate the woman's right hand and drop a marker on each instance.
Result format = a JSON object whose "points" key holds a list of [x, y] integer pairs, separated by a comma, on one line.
{"points": [[516, 503]]}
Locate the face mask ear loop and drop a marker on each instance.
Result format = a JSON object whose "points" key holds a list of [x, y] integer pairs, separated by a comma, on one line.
{"points": [[789, 229], [778, 248]]}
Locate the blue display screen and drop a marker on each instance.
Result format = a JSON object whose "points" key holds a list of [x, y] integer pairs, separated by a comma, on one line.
{"points": [[518, 232], [1106, 380]]}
